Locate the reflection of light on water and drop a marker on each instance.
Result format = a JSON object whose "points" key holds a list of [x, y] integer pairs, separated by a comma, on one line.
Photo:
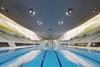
{"points": [[76, 59]]}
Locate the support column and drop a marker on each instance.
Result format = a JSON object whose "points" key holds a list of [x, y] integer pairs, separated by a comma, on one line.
{"points": [[11, 44], [89, 44]]}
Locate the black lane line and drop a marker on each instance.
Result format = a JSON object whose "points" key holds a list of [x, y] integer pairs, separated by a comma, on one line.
{"points": [[43, 59], [58, 59]]}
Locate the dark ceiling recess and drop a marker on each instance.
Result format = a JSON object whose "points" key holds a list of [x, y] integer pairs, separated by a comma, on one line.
{"points": [[50, 11], [50, 29]]}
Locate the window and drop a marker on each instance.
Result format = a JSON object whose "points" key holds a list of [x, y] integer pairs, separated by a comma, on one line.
{"points": [[96, 44], [4, 44], [23, 44]]}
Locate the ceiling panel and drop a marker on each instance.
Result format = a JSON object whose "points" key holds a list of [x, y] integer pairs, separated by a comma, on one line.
{"points": [[50, 12]]}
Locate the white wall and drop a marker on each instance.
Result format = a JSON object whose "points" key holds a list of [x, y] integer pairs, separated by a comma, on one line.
{"points": [[11, 39]]}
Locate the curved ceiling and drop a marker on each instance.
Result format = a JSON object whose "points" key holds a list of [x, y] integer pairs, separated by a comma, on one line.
{"points": [[49, 12]]}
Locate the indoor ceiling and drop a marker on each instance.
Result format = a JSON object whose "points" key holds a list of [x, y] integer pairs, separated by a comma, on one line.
{"points": [[48, 13]]}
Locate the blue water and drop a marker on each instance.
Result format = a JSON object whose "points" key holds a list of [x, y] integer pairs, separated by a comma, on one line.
{"points": [[36, 62], [88, 55], [50, 60], [3, 51], [65, 62], [11, 54]]}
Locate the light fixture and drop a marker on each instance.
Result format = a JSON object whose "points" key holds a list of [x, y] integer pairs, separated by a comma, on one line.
{"points": [[95, 10], [69, 11], [39, 22], [60, 22], [32, 12], [3, 9]]}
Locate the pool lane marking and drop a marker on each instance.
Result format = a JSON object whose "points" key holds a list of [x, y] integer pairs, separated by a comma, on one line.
{"points": [[85, 56], [58, 59], [43, 59], [14, 57], [23, 59], [77, 59]]}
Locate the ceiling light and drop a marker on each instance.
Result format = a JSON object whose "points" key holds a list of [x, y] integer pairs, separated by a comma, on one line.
{"points": [[95, 10], [2, 8], [69, 11], [68, 14], [39, 22], [60, 22], [32, 12]]}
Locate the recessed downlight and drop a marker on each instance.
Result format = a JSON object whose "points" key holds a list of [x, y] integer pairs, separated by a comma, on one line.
{"points": [[39, 22], [60, 22], [3, 9], [95, 10], [69, 11], [32, 12]]}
